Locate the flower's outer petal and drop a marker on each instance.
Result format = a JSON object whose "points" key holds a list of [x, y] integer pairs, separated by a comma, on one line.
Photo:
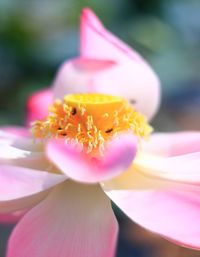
{"points": [[134, 179], [10, 135], [92, 65], [22, 151], [174, 214], [171, 156], [16, 130], [94, 35], [12, 155], [37, 105], [171, 144], [77, 75], [19, 141], [11, 218], [21, 187], [26, 159], [165, 201], [183, 168], [132, 78], [73, 221], [118, 155]]}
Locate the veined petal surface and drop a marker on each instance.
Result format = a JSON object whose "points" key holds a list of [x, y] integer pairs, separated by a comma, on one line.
{"points": [[174, 214], [16, 131], [74, 220], [171, 156], [162, 195], [22, 151], [172, 144], [22, 187], [183, 168]]}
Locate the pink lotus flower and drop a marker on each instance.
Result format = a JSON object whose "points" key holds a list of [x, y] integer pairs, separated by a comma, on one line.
{"points": [[64, 188]]}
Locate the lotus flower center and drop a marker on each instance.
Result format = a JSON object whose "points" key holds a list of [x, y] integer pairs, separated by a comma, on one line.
{"points": [[90, 120]]}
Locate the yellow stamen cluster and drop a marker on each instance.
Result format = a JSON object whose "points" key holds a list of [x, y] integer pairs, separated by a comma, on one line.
{"points": [[91, 120]]}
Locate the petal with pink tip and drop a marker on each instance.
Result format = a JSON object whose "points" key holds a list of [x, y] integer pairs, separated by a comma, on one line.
{"points": [[162, 195], [76, 76], [171, 144], [103, 71], [21, 187], [92, 65], [26, 143], [11, 218], [75, 221], [97, 42], [118, 155], [132, 78], [174, 214], [12, 133], [37, 105], [16, 130], [37, 161], [171, 156], [160, 173], [21, 151], [182, 168], [134, 179]]}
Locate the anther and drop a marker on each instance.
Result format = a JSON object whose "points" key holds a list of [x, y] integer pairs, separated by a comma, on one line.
{"points": [[73, 112], [109, 130]]}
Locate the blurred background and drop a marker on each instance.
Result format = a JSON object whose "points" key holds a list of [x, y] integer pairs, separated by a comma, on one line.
{"points": [[37, 36]]}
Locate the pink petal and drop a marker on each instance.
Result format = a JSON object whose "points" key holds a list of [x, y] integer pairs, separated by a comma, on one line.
{"points": [[182, 168], [178, 157], [19, 141], [14, 135], [21, 151], [76, 76], [162, 195], [171, 144], [172, 214], [21, 187], [25, 159], [132, 78], [134, 179], [16, 130], [11, 218], [92, 65], [138, 86], [94, 35], [18, 156], [118, 156], [74, 221], [37, 105], [109, 67]]}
